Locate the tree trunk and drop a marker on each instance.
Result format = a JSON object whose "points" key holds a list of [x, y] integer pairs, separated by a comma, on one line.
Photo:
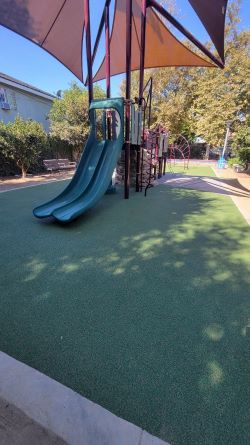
{"points": [[24, 172], [207, 151]]}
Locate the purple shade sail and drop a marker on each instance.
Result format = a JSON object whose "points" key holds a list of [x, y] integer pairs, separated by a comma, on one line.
{"points": [[56, 26], [212, 14]]}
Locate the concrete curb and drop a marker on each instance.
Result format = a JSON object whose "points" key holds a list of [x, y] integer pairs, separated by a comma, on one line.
{"points": [[73, 418]]}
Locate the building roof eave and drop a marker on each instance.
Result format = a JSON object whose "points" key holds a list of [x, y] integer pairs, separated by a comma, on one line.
{"points": [[11, 81]]}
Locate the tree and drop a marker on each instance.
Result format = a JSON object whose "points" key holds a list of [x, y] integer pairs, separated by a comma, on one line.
{"points": [[223, 95], [241, 134], [69, 116], [241, 142], [22, 141], [174, 93]]}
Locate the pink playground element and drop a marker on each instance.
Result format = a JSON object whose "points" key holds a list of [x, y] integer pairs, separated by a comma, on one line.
{"points": [[180, 149]]}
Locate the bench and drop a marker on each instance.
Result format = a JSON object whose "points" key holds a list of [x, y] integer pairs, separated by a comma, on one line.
{"points": [[58, 164], [241, 168]]}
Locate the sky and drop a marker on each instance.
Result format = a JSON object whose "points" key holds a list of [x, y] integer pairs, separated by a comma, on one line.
{"points": [[27, 62]]}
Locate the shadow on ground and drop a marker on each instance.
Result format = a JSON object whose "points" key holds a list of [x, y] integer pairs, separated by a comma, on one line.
{"points": [[140, 305], [230, 187]]}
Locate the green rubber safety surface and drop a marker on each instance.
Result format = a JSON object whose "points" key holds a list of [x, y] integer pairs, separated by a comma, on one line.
{"points": [[192, 170], [141, 305]]}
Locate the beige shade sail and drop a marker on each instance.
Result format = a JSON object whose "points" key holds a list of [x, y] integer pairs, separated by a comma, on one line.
{"points": [[55, 25], [162, 48], [212, 14]]}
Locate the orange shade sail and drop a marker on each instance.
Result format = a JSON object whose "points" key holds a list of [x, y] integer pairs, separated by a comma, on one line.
{"points": [[162, 48], [55, 25]]}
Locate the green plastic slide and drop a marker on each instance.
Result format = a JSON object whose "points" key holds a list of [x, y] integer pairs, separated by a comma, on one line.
{"points": [[95, 168]]}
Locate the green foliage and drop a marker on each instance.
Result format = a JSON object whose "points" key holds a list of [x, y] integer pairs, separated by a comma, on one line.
{"points": [[234, 160], [197, 151], [22, 141], [241, 142], [241, 134], [244, 156], [69, 116], [222, 95], [59, 147]]}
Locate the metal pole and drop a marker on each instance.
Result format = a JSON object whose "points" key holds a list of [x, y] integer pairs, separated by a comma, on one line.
{"points": [[184, 31], [107, 45], [107, 66], [150, 102], [99, 32], [88, 49], [141, 82], [226, 139], [128, 94], [142, 48]]}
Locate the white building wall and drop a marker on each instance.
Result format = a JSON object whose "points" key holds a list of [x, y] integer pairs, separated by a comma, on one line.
{"points": [[27, 105]]}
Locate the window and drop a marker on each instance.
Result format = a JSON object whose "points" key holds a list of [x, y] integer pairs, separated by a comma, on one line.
{"points": [[4, 100], [3, 95]]}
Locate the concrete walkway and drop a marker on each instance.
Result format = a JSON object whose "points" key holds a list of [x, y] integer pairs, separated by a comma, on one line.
{"points": [[18, 429], [243, 182], [227, 183], [16, 183], [36, 410]]}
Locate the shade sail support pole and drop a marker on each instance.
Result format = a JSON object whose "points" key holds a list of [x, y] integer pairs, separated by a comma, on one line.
{"points": [[88, 49], [141, 84], [107, 66], [150, 102], [128, 96], [107, 47], [184, 31], [142, 48], [99, 32]]}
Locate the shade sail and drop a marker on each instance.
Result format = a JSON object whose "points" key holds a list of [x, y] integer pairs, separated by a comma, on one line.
{"points": [[55, 25], [212, 14], [162, 48]]}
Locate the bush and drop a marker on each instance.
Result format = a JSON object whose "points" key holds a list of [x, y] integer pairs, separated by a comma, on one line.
{"points": [[234, 160], [59, 148], [197, 151], [23, 141], [241, 157], [244, 155], [8, 166]]}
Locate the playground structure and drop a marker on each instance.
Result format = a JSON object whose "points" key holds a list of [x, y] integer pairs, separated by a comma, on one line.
{"points": [[179, 150], [96, 166], [159, 156], [139, 39]]}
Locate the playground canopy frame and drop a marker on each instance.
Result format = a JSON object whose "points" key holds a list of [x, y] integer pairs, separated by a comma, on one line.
{"points": [[219, 43]]}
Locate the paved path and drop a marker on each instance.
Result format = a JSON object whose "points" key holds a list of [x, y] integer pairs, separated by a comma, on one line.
{"points": [[18, 429], [41, 408], [227, 182], [243, 181], [7, 184]]}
